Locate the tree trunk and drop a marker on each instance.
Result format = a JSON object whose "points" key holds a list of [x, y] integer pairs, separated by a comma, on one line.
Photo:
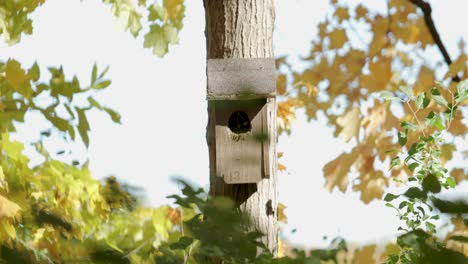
{"points": [[244, 29]]}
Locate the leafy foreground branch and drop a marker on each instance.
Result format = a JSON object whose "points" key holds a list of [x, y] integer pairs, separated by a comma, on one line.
{"points": [[427, 175]]}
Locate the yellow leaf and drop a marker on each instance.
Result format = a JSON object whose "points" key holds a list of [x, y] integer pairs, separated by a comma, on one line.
{"points": [[459, 175], [371, 184], [8, 208], [281, 216], [408, 34], [337, 38], [38, 236], [9, 229], [322, 30], [349, 124], [342, 14], [447, 152], [3, 183], [379, 27], [425, 80], [375, 119], [379, 76], [336, 171], [174, 8], [355, 60], [457, 66], [365, 255], [286, 114], [281, 84], [361, 11], [281, 167]]}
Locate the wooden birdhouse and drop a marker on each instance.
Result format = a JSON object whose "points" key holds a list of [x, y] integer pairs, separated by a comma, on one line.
{"points": [[238, 90]]}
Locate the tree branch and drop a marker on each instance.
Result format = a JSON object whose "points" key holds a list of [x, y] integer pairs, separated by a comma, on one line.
{"points": [[427, 10]]}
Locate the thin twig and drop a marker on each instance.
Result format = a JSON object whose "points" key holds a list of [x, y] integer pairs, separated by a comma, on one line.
{"points": [[415, 117], [427, 10]]}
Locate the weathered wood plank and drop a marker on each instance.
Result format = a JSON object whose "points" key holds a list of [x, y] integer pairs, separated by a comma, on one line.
{"points": [[240, 156], [233, 78]]}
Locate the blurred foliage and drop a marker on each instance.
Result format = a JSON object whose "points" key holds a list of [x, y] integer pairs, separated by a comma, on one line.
{"points": [[357, 54], [428, 176], [55, 212], [162, 23]]}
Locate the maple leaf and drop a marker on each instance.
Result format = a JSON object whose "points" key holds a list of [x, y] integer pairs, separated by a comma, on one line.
{"points": [[342, 14], [336, 171], [459, 175], [349, 124], [361, 12], [281, 215], [175, 8], [281, 84], [372, 185], [338, 38], [286, 114], [457, 66], [379, 76]]}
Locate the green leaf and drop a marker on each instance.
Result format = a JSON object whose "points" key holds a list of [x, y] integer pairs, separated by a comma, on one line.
{"points": [[438, 98], [183, 243], [421, 210], [70, 112], [415, 193], [462, 91], [156, 12], [171, 34], [387, 95], [431, 184], [101, 75], [459, 238], [34, 72], [402, 137], [406, 90], [403, 205], [134, 23], [94, 103], [408, 125], [450, 182], [83, 125], [390, 197], [114, 115], [156, 39], [413, 166], [422, 101], [60, 123], [395, 162], [450, 113], [94, 74], [430, 226], [102, 85], [434, 119]]}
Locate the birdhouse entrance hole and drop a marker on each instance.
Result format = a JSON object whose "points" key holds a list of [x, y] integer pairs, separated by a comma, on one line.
{"points": [[239, 122]]}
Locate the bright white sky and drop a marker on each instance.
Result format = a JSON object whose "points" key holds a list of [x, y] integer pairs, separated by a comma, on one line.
{"points": [[163, 108]]}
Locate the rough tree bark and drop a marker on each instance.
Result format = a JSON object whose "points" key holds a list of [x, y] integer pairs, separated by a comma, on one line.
{"points": [[244, 29]]}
